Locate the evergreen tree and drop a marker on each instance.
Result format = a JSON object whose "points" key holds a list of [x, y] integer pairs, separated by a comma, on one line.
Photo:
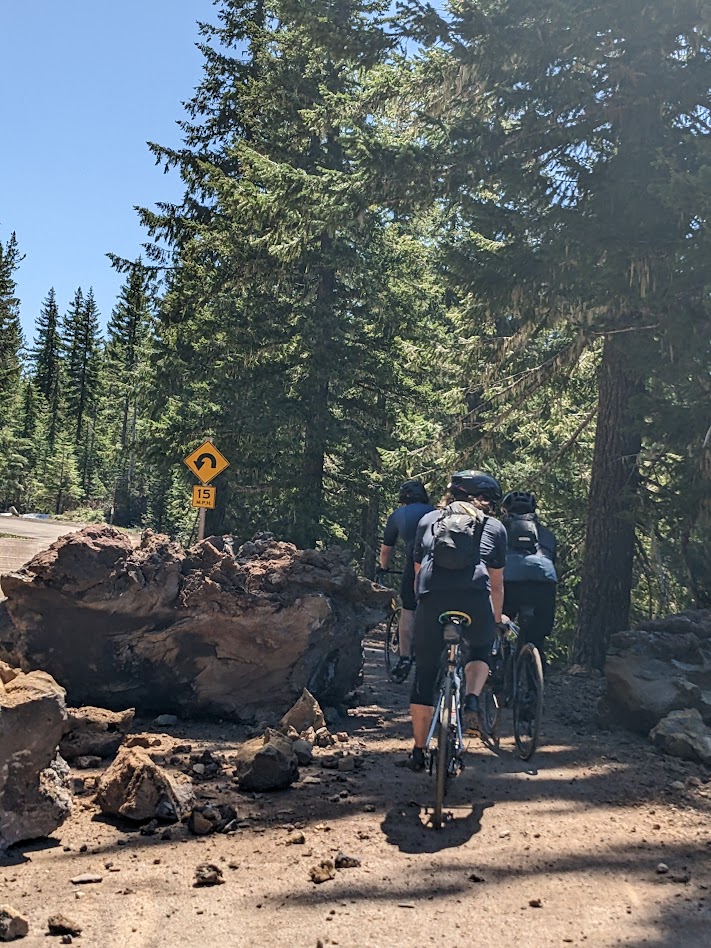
{"points": [[82, 381], [47, 356], [11, 340], [283, 328], [563, 131], [125, 360]]}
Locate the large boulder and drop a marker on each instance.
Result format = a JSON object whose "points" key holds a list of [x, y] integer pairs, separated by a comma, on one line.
{"points": [[683, 734], [652, 671], [136, 788], [209, 631], [35, 794], [94, 732]]}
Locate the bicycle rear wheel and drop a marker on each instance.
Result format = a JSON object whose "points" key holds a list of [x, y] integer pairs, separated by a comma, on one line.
{"points": [[491, 714], [444, 750], [392, 642], [528, 700]]}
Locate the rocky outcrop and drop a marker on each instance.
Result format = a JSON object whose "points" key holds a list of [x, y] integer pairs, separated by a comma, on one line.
{"points": [[662, 668], [683, 734], [136, 788], [35, 795], [94, 732], [210, 631]]}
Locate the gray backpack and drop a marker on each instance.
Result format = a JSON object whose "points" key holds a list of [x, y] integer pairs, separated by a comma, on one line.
{"points": [[457, 536]]}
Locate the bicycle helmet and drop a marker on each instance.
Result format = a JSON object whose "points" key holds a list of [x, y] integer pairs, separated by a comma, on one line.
{"points": [[413, 492], [474, 484], [519, 502]]}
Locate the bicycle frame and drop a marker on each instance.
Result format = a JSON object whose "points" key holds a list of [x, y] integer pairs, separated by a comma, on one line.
{"points": [[455, 672]]}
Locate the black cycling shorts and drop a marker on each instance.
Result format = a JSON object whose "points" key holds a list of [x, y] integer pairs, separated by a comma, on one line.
{"points": [[407, 586], [429, 638]]}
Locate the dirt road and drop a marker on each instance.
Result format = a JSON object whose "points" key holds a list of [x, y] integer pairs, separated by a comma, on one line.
{"points": [[564, 852], [21, 539]]}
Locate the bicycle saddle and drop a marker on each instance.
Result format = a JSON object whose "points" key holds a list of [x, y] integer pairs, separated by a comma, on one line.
{"points": [[454, 617]]}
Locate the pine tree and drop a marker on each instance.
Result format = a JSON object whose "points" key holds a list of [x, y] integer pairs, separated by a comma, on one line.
{"points": [[82, 382], [11, 340], [282, 327], [563, 132], [47, 355], [125, 360]]}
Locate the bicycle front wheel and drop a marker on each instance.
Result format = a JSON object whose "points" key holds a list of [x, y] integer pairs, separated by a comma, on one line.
{"points": [[528, 700], [444, 750], [392, 642]]}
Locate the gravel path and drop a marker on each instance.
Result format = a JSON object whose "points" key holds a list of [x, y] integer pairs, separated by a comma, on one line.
{"points": [[560, 851]]}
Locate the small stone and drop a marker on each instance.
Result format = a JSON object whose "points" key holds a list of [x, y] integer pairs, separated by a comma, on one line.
{"points": [[199, 824], [295, 839], [87, 762], [12, 924], [346, 764], [149, 829], [166, 720], [346, 862], [324, 871], [535, 903], [369, 808], [310, 779], [87, 878], [67, 940], [199, 769], [662, 869], [61, 925], [475, 877], [677, 785], [207, 873], [342, 737]]}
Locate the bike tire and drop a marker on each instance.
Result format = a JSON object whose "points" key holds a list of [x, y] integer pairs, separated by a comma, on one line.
{"points": [[444, 732], [491, 714], [528, 700], [392, 642]]}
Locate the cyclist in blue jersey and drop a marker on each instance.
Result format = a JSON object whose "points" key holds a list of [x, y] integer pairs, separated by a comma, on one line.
{"points": [[402, 524]]}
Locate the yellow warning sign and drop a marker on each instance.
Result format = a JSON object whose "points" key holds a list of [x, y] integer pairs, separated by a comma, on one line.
{"points": [[206, 462], [204, 496]]}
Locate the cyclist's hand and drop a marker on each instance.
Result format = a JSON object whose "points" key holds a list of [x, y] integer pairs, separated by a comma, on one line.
{"points": [[504, 622]]}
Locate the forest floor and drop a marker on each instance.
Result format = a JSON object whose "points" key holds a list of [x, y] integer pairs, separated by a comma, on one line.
{"points": [[563, 850]]}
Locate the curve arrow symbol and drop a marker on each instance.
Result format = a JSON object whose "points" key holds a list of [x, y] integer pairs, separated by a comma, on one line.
{"points": [[204, 458]]}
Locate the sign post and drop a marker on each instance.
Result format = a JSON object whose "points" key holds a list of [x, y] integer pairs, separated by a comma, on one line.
{"points": [[206, 463]]}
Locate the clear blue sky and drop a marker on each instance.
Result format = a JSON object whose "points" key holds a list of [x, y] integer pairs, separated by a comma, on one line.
{"points": [[85, 84]]}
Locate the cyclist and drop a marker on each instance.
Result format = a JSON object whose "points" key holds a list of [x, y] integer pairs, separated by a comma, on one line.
{"points": [[530, 579], [402, 523], [477, 590]]}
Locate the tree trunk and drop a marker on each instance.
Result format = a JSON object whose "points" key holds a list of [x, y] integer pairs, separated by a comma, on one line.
{"points": [[609, 542], [316, 403]]}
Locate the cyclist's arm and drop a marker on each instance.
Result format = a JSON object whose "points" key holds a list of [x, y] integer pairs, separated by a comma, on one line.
{"points": [[385, 553], [496, 579]]}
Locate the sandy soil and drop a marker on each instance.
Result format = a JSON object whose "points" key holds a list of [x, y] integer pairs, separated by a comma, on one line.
{"points": [[563, 850]]}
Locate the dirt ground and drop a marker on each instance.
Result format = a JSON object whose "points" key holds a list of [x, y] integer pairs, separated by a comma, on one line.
{"points": [[562, 850]]}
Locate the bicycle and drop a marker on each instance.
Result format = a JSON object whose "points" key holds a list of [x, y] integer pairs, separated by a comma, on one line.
{"points": [[516, 680], [447, 717], [392, 629]]}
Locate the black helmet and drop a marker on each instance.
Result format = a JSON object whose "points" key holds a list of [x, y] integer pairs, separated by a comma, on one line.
{"points": [[474, 484], [413, 492], [519, 502]]}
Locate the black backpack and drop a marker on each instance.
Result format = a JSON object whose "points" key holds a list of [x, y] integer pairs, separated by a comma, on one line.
{"points": [[522, 533], [457, 536]]}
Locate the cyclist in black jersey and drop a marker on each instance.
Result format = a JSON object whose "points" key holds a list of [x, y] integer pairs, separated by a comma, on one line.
{"points": [[402, 524]]}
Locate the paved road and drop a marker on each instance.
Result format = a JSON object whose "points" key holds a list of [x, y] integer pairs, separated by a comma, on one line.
{"points": [[21, 539]]}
